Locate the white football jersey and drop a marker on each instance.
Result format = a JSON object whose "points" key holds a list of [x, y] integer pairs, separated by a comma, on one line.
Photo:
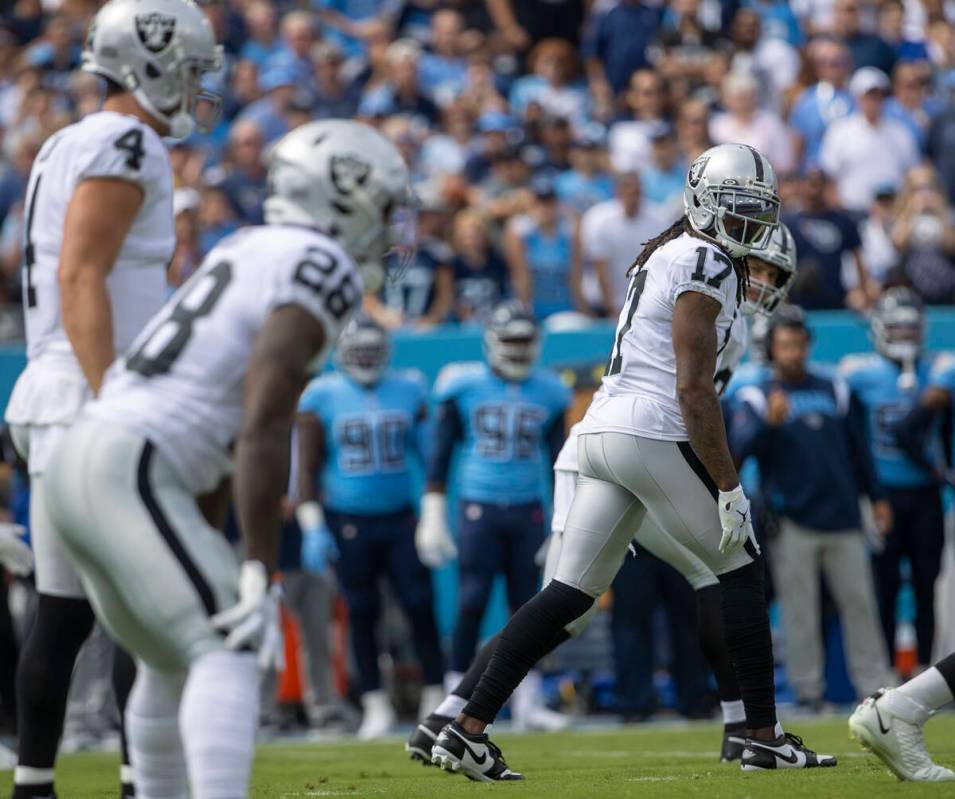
{"points": [[181, 383], [102, 145], [638, 393]]}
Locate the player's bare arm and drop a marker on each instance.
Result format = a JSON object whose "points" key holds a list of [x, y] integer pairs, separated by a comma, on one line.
{"points": [[694, 344], [100, 214], [311, 447], [277, 374]]}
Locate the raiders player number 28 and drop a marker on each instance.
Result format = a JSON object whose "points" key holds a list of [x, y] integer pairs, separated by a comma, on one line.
{"points": [[215, 377]]}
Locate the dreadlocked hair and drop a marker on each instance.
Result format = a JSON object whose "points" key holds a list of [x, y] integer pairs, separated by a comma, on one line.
{"points": [[677, 229]]}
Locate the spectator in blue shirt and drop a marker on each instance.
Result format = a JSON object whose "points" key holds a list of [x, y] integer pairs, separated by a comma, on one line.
{"points": [[242, 176], [480, 273], [270, 113], [263, 41], [824, 234], [442, 70], [295, 54], [402, 93], [778, 20], [619, 42], [910, 102], [662, 179], [867, 49], [807, 432], [588, 181], [892, 30], [336, 97], [826, 100]]}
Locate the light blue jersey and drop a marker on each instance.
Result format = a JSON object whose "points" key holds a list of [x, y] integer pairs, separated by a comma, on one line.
{"points": [[875, 381], [943, 373], [505, 429], [549, 256], [370, 436]]}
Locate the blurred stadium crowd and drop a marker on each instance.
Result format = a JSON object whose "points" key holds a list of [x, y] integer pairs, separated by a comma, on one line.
{"points": [[547, 137]]}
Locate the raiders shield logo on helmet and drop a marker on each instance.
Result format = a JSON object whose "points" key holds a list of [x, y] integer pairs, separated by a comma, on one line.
{"points": [[696, 171], [348, 173], [155, 30]]}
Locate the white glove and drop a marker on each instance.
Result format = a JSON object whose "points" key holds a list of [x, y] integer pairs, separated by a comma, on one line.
{"points": [[15, 555], [253, 622], [735, 521], [432, 537]]}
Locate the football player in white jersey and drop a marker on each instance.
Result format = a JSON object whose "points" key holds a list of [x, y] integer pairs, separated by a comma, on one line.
{"points": [[99, 233], [653, 443], [212, 381], [771, 270]]}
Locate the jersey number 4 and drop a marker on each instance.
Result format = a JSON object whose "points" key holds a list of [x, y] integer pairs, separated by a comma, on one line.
{"points": [[166, 341]]}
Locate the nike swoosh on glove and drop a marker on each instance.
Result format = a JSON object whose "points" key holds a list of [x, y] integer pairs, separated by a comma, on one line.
{"points": [[253, 622], [15, 555], [735, 521], [432, 537]]}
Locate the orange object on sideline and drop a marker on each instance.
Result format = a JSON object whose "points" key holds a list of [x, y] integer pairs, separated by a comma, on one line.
{"points": [[290, 686]]}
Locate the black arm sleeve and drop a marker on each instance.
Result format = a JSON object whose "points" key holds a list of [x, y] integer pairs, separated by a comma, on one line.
{"points": [[860, 451], [911, 434], [449, 430], [556, 437]]}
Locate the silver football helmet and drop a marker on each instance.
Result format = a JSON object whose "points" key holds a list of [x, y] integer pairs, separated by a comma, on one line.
{"points": [[347, 180], [780, 251], [731, 197], [898, 324], [363, 350], [512, 340], [158, 50]]}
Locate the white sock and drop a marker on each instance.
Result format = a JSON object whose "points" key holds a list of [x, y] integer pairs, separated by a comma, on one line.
{"points": [[733, 712], [527, 695], [155, 748], [218, 719], [451, 681], [27, 775], [778, 732], [930, 689], [452, 706]]}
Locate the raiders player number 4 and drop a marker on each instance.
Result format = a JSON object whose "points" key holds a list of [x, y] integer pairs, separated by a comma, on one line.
{"points": [[214, 379]]}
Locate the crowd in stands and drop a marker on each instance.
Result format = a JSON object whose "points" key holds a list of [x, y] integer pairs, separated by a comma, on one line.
{"points": [[549, 138]]}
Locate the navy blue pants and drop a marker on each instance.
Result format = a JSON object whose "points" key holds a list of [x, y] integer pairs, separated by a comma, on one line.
{"points": [[379, 546], [918, 532], [642, 583], [492, 540]]}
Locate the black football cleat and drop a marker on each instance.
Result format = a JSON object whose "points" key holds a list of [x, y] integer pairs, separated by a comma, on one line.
{"points": [[475, 756], [423, 736], [734, 741], [787, 751]]}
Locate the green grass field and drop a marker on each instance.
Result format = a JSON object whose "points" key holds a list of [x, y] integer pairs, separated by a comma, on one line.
{"points": [[647, 761]]}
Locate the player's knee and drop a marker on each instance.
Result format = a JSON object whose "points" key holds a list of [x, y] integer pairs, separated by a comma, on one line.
{"points": [[743, 582], [577, 626], [556, 607]]}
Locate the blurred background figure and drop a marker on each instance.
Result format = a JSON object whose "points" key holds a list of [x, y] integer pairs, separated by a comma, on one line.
{"points": [[359, 433], [506, 419], [807, 433], [889, 384]]}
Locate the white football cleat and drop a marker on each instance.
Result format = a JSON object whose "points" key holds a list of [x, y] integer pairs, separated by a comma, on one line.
{"points": [[539, 718], [889, 725], [378, 717]]}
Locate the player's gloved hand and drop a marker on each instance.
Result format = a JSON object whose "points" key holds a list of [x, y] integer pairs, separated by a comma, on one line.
{"points": [[735, 521], [432, 538], [318, 544], [253, 622], [15, 555]]}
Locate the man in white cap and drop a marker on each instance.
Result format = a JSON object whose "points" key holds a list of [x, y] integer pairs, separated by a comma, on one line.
{"points": [[866, 150]]}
